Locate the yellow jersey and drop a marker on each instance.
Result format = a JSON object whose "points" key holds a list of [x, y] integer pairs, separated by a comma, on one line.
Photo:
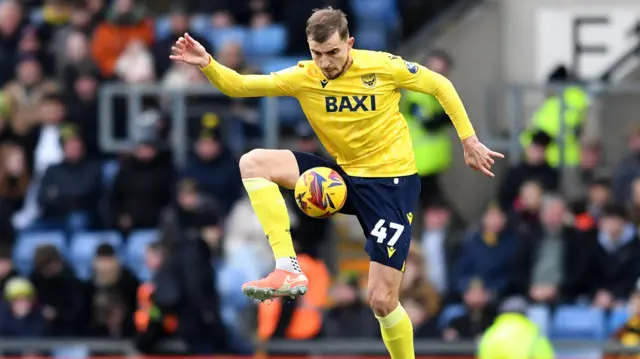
{"points": [[355, 116]]}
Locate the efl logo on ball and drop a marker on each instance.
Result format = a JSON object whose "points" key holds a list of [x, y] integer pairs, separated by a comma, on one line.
{"points": [[320, 192]]}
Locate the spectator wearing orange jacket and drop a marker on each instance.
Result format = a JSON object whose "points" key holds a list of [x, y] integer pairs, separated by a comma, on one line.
{"points": [[124, 23]]}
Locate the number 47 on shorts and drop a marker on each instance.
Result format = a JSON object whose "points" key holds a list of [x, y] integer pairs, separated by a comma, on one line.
{"points": [[380, 232]]}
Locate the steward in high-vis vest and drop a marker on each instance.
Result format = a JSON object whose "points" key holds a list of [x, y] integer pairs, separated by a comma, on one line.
{"points": [[513, 336], [549, 116], [428, 125]]}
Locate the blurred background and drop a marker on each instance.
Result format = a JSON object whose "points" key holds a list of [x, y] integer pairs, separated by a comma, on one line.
{"points": [[125, 229]]}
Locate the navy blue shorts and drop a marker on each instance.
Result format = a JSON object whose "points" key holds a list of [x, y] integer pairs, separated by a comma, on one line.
{"points": [[384, 207]]}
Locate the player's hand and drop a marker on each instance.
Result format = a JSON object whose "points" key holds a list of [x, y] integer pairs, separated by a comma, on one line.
{"points": [[188, 50], [478, 156]]}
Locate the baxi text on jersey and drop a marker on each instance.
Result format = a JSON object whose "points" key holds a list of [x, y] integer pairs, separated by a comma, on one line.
{"points": [[362, 103]]}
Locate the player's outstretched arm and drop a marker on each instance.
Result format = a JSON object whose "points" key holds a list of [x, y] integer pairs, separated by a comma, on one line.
{"points": [[418, 78], [228, 81]]}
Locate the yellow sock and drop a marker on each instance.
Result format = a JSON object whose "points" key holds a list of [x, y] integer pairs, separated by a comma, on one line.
{"points": [[397, 333], [269, 205]]}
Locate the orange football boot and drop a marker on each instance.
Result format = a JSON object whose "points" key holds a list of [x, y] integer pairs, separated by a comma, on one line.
{"points": [[278, 283]]}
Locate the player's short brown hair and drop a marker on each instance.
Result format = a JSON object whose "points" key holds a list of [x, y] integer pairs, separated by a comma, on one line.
{"points": [[323, 23]]}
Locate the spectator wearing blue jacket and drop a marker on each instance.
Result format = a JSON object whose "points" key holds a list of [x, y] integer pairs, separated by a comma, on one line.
{"points": [[488, 255]]}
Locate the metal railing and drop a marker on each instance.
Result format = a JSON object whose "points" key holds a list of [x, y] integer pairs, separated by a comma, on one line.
{"points": [[134, 95]]}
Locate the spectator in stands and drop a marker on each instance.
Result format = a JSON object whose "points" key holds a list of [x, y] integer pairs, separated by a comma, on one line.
{"points": [[26, 92], [629, 333], [75, 60], [526, 218], [480, 313], [125, 22], [487, 256], [43, 147], [79, 24], [44, 140], [552, 262], [576, 180], [19, 316], [11, 23], [185, 285], [245, 238], [179, 21], [97, 10], [135, 64], [69, 191], [533, 167], [183, 220], [143, 186], [628, 169], [599, 195], [55, 15], [152, 325], [419, 296], [615, 267], [6, 133], [30, 44], [441, 241], [349, 316], [214, 168], [82, 104], [114, 317], [14, 182], [111, 318], [60, 293], [6, 264]]}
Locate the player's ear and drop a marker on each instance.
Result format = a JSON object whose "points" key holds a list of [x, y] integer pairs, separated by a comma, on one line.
{"points": [[350, 41]]}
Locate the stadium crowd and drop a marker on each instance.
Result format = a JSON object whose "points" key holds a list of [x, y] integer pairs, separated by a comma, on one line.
{"points": [[137, 247]]}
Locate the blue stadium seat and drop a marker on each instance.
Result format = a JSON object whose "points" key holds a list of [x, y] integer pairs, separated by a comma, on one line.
{"points": [[289, 111], [449, 313], [71, 352], [28, 242], [136, 246], [279, 63], [376, 11], [220, 37], [541, 316], [268, 41], [200, 24], [83, 248], [163, 27], [371, 38], [578, 323], [617, 319]]}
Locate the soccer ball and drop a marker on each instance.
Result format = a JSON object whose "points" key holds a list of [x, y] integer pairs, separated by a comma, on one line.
{"points": [[320, 192]]}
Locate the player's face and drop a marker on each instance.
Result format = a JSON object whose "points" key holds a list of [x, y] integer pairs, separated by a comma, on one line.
{"points": [[332, 56]]}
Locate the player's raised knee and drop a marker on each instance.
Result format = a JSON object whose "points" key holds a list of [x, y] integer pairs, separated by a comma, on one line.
{"points": [[254, 164], [278, 166], [383, 300]]}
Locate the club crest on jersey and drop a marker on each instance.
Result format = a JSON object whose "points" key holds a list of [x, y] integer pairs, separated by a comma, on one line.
{"points": [[413, 68], [369, 80]]}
